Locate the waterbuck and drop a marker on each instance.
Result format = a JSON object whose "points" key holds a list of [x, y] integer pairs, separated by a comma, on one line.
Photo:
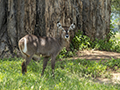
{"points": [[30, 45]]}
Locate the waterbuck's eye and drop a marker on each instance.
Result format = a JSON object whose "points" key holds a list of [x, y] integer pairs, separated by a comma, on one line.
{"points": [[73, 26], [64, 30], [59, 25]]}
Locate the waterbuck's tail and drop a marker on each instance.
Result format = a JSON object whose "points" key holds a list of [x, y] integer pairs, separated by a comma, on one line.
{"points": [[23, 46]]}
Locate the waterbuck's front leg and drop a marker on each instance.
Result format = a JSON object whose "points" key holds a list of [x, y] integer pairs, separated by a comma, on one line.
{"points": [[53, 63], [46, 59]]}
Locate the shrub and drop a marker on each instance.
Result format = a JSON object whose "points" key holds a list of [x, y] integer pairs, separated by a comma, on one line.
{"points": [[80, 41]]}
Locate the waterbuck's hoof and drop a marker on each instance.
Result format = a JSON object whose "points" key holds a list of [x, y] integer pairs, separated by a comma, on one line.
{"points": [[24, 68], [23, 73]]}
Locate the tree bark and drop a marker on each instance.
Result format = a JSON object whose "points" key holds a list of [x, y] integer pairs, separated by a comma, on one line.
{"points": [[39, 17], [96, 18]]}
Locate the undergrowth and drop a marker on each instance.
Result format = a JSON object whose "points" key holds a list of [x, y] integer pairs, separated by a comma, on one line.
{"points": [[81, 42], [69, 75]]}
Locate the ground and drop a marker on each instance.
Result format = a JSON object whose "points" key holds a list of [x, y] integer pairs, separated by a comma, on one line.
{"points": [[101, 55], [97, 55]]}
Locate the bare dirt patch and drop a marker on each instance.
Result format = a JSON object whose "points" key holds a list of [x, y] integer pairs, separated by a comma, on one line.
{"points": [[101, 55], [97, 55], [115, 79]]}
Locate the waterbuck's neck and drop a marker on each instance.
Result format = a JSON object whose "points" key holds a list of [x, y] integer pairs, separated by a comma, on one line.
{"points": [[62, 42]]}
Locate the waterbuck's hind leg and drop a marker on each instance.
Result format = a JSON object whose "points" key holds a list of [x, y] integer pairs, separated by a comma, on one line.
{"points": [[24, 68], [45, 60], [24, 64]]}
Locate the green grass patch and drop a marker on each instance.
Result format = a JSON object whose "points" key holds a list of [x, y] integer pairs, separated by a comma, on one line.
{"points": [[69, 75]]}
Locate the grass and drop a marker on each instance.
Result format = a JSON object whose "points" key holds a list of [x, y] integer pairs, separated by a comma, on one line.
{"points": [[69, 75]]}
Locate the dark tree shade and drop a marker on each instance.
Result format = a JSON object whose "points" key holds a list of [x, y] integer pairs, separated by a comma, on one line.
{"points": [[39, 17]]}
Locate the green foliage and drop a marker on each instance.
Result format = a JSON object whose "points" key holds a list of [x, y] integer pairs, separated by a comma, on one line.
{"points": [[115, 6], [115, 13], [69, 75], [103, 45], [64, 53], [80, 41], [112, 64]]}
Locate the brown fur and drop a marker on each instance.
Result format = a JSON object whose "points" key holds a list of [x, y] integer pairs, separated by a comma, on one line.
{"points": [[24, 68], [47, 46]]}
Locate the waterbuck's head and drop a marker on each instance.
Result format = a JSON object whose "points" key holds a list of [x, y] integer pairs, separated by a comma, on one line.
{"points": [[65, 31]]}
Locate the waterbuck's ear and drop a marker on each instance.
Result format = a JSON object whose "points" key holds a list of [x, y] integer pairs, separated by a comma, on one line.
{"points": [[59, 25], [72, 27]]}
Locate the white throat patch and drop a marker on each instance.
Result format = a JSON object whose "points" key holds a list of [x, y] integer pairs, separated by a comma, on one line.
{"points": [[43, 42]]}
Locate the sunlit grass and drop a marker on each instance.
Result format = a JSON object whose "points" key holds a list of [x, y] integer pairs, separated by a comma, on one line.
{"points": [[69, 75]]}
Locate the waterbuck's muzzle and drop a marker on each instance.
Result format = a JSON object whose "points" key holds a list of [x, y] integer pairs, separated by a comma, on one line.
{"points": [[67, 36]]}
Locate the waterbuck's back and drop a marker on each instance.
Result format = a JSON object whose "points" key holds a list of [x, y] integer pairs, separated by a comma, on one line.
{"points": [[30, 44], [48, 46]]}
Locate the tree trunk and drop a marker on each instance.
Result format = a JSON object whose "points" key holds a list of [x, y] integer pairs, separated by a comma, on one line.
{"points": [[39, 17], [96, 18]]}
